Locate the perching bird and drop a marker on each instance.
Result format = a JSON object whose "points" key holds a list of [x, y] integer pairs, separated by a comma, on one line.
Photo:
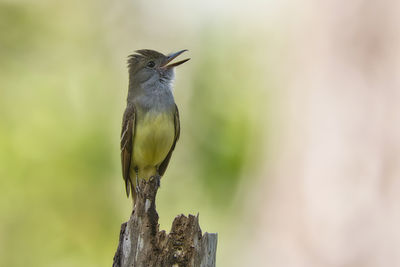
{"points": [[150, 126]]}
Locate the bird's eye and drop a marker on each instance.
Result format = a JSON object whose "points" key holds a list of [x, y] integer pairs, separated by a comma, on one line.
{"points": [[151, 64]]}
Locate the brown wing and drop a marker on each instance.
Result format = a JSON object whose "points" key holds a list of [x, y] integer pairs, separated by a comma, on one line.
{"points": [[163, 166], [127, 132]]}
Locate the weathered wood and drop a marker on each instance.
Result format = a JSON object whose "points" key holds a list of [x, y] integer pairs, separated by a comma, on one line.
{"points": [[141, 244]]}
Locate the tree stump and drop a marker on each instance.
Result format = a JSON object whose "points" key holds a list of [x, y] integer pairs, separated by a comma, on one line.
{"points": [[141, 244]]}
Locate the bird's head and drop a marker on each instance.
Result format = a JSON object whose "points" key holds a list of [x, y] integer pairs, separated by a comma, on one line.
{"points": [[151, 67]]}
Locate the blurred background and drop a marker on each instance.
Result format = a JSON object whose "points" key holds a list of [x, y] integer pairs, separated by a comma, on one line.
{"points": [[290, 128]]}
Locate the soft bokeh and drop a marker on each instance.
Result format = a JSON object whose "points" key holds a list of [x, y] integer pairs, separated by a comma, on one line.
{"points": [[290, 128]]}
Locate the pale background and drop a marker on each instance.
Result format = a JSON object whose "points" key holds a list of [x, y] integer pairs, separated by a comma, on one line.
{"points": [[290, 118]]}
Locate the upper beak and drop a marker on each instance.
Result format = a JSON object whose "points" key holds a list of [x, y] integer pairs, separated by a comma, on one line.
{"points": [[172, 57]]}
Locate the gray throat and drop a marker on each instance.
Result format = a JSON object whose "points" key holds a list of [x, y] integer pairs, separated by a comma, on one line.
{"points": [[155, 98]]}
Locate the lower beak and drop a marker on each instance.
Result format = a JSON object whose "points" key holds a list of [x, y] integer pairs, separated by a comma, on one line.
{"points": [[172, 57]]}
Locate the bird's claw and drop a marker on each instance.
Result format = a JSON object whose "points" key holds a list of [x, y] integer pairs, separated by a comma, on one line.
{"points": [[157, 179], [137, 187], [138, 190]]}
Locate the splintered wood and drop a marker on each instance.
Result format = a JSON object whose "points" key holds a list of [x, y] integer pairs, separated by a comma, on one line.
{"points": [[141, 244]]}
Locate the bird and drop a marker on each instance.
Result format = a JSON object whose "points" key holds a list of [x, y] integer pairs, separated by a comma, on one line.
{"points": [[150, 123]]}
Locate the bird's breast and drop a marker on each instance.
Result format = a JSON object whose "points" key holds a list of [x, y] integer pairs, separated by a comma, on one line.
{"points": [[153, 138]]}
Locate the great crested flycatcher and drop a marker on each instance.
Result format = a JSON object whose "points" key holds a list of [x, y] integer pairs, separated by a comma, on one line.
{"points": [[150, 126]]}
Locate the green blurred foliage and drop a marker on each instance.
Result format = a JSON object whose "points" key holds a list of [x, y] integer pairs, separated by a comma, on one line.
{"points": [[61, 101], [220, 116]]}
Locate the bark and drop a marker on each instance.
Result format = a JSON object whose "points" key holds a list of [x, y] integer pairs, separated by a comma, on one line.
{"points": [[142, 244]]}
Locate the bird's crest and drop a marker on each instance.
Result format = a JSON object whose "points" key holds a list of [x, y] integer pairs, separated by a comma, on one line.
{"points": [[141, 54]]}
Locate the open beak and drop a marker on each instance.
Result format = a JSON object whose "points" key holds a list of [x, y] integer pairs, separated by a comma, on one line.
{"points": [[172, 57]]}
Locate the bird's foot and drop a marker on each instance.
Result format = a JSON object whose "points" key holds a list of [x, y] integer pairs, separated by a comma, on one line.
{"points": [[137, 187], [138, 190], [157, 179]]}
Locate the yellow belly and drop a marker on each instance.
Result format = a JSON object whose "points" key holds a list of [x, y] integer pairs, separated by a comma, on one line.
{"points": [[154, 136]]}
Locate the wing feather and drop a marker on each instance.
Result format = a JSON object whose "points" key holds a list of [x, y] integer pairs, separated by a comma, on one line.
{"points": [[127, 133], [163, 166]]}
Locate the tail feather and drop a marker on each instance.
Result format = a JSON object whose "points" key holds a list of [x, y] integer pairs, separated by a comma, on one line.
{"points": [[127, 187]]}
